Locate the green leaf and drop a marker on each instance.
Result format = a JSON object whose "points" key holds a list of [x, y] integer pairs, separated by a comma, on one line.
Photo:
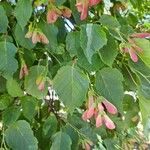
{"points": [[109, 85], [61, 141], [29, 106], [145, 54], [29, 56], [132, 19], [109, 51], [89, 133], [73, 135], [51, 32], [144, 107], [2, 85], [144, 86], [30, 82], [92, 39], [8, 8], [50, 126], [13, 88], [116, 34], [59, 2], [76, 121], [60, 49], [143, 72], [19, 136], [3, 20], [10, 115], [129, 83], [5, 101], [20, 37], [109, 21], [94, 66], [68, 83], [131, 108], [111, 143], [126, 30], [8, 63], [72, 42], [23, 12], [136, 3], [75, 13]]}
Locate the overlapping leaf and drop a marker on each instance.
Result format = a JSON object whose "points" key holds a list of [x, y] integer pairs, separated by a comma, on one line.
{"points": [[109, 85], [109, 51], [30, 82], [145, 54], [143, 73], [92, 39]]}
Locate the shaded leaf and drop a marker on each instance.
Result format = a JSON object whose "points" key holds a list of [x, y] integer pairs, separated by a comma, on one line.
{"points": [[2, 85], [75, 13], [5, 101], [109, 51], [50, 126], [73, 135], [131, 108]]}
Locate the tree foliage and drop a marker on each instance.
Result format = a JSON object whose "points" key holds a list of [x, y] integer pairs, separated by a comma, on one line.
{"points": [[74, 74]]}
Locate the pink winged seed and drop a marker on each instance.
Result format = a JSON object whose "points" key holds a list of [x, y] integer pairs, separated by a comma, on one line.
{"points": [[141, 35], [66, 12], [23, 71], [87, 146], [82, 7], [133, 55], [44, 39], [100, 107], [110, 107], [84, 116], [108, 122], [90, 112], [99, 121], [94, 2], [52, 16]]}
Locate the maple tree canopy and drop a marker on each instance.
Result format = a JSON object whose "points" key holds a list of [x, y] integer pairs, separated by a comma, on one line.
{"points": [[74, 74]]}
